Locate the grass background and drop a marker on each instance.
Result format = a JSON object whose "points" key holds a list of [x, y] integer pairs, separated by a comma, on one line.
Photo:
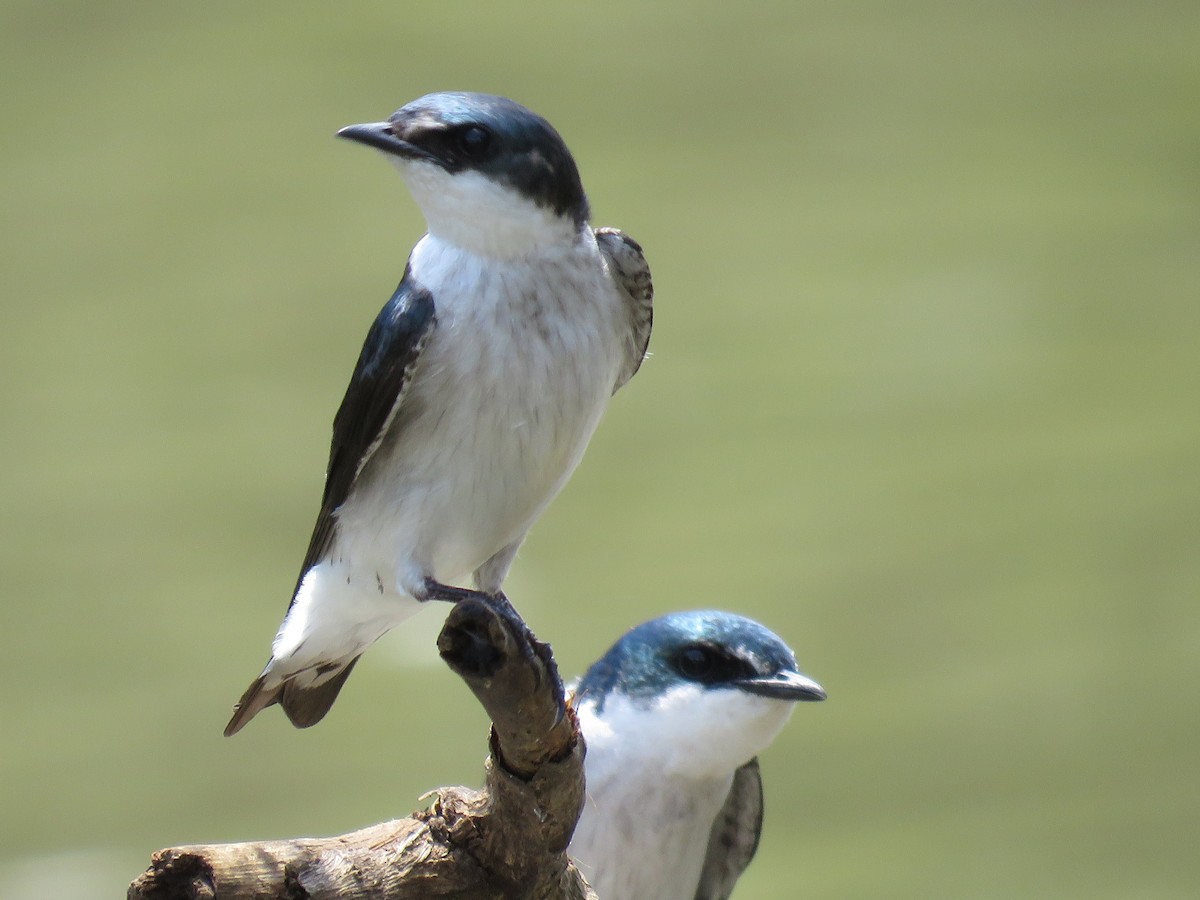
{"points": [[924, 399]]}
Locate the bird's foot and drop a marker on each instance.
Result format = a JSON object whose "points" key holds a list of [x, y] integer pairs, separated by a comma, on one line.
{"points": [[435, 590], [502, 606]]}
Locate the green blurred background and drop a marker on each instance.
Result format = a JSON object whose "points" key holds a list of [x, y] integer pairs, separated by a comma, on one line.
{"points": [[924, 399]]}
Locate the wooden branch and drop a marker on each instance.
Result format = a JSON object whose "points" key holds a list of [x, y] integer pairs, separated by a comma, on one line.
{"points": [[503, 842]]}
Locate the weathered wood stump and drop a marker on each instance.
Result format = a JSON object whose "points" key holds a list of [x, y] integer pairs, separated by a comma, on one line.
{"points": [[505, 841]]}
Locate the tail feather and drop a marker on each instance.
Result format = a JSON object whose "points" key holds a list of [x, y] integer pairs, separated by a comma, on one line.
{"points": [[257, 698], [304, 705]]}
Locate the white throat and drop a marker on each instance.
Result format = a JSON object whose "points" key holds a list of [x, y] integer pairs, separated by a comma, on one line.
{"points": [[688, 732], [475, 213]]}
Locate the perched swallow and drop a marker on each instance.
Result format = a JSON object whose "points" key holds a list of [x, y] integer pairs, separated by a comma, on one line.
{"points": [[675, 715], [476, 392]]}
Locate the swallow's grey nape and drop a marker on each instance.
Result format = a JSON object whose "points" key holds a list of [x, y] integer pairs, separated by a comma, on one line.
{"points": [[476, 391], [675, 715]]}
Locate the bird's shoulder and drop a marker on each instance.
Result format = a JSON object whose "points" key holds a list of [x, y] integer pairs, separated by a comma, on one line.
{"points": [[627, 261], [733, 840], [397, 330], [383, 373], [631, 274]]}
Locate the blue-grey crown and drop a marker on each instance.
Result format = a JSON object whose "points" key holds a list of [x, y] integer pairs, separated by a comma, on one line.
{"points": [[709, 647], [500, 138]]}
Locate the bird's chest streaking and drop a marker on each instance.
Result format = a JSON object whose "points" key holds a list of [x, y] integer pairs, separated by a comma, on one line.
{"points": [[509, 388]]}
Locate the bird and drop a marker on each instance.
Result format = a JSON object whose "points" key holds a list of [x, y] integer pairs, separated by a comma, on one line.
{"points": [[477, 389], [674, 716]]}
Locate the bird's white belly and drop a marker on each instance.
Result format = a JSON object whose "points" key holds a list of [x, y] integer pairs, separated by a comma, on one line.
{"points": [[447, 507], [645, 843], [504, 400], [646, 822]]}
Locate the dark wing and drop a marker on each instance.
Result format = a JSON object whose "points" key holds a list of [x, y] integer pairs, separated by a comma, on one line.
{"points": [[631, 273], [734, 836], [375, 394]]}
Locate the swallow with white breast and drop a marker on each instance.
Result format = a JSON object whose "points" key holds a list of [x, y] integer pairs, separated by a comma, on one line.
{"points": [[674, 716], [476, 392]]}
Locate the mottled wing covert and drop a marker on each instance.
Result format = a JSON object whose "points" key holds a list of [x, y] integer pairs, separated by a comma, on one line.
{"points": [[629, 270]]}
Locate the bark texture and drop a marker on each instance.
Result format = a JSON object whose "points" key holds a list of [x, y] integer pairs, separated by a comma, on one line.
{"points": [[505, 841]]}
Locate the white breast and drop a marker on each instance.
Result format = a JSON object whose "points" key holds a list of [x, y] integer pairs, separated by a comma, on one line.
{"points": [[645, 825], [658, 772], [506, 395]]}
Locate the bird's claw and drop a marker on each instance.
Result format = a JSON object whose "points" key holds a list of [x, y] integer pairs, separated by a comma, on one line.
{"points": [[435, 590]]}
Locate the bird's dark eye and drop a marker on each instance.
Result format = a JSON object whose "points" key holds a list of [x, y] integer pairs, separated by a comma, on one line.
{"points": [[708, 664], [474, 142]]}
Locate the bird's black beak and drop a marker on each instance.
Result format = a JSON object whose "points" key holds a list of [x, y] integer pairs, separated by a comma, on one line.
{"points": [[784, 686], [381, 136]]}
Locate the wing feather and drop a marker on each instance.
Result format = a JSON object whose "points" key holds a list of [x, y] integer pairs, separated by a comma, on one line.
{"points": [[734, 836], [630, 271], [373, 398]]}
